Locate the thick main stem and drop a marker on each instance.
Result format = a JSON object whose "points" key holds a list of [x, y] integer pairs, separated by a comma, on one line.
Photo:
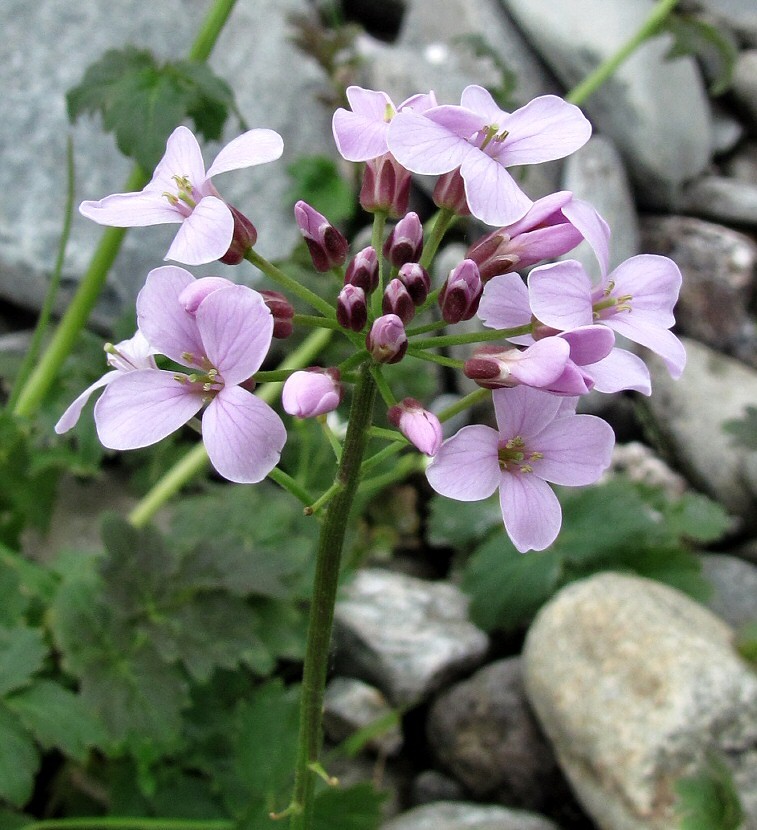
{"points": [[324, 596]]}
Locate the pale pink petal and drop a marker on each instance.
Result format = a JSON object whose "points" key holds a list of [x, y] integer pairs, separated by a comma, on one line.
{"points": [[243, 435], [592, 228], [163, 320], [661, 341], [546, 128], [134, 353], [653, 283], [205, 234], [540, 364], [423, 146], [358, 138], [370, 103], [70, 417], [140, 408], [236, 327], [131, 210], [573, 381], [420, 102], [182, 158], [560, 295], [492, 194], [531, 511], [588, 344], [504, 304], [257, 146], [523, 411], [577, 450], [545, 243], [620, 370], [480, 101], [466, 468], [544, 211]]}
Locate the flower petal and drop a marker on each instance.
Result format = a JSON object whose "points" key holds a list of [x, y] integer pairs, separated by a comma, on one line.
{"points": [[372, 104], [620, 370], [205, 234], [140, 408], [546, 128], [131, 210], [504, 304], [531, 511], [257, 146], [480, 101], [243, 435], [357, 137], [466, 468], [70, 417], [524, 411], [560, 295], [541, 363], [653, 282], [424, 146], [236, 327], [492, 194], [661, 341], [593, 228], [182, 158], [163, 320], [577, 449], [588, 344]]}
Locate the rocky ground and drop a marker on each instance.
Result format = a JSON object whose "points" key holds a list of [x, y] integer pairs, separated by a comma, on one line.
{"points": [[623, 685]]}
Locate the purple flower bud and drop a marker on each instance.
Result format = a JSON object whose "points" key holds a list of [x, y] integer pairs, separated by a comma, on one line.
{"points": [[397, 300], [461, 293], [405, 242], [197, 291], [244, 237], [421, 427], [540, 365], [494, 255], [363, 270], [417, 281], [328, 247], [386, 186], [282, 312], [449, 193], [351, 308], [386, 340], [312, 392]]}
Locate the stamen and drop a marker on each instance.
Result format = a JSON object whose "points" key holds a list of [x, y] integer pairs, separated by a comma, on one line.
{"points": [[489, 133]]}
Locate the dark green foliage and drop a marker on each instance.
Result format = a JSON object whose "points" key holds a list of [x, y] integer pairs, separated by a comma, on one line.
{"points": [[746, 641], [697, 37], [142, 101], [708, 800], [616, 526], [743, 431], [317, 180], [353, 808]]}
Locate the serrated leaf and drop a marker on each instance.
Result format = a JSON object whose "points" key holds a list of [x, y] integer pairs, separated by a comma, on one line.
{"points": [[57, 718], [696, 517], [352, 808], [698, 38], [22, 653], [744, 430], [19, 760], [459, 523]]}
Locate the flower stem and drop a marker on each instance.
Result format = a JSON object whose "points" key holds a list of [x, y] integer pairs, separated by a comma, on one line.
{"points": [[128, 823], [443, 220], [286, 482], [324, 597], [289, 284], [471, 337], [73, 321], [377, 243], [607, 68]]}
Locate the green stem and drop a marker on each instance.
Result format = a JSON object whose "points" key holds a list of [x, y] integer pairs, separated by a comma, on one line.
{"points": [[387, 434], [472, 337], [285, 481], [196, 460], [436, 325], [605, 70], [401, 470], [324, 596], [383, 387], [382, 455], [444, 219], [73, 321], [469, 400], [315, 322], [377, 243], [123, 823], [430, 357], [289, 284]]}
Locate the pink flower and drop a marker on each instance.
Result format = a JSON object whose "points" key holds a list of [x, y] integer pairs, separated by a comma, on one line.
{"points": [[312, 392], [182, 191], [482, 140], [223, 343], [126, 356], [539, 439], [421, 427]]}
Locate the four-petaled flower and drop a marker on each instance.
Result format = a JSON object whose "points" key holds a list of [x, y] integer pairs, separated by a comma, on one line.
{"points": [[182, 191], [539, 439]]}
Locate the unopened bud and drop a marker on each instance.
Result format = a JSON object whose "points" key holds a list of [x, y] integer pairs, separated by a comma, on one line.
{"points": [[363, 270], [191, 296], [328, 247], [449, 193], [351, 308], [421, 427], [417, 281], [282, 312], [493, 255], [386, 186], [540, 365], [397, 300], [387, 341], [461, 293], [312, 392], [405, 242], [244, 237]]}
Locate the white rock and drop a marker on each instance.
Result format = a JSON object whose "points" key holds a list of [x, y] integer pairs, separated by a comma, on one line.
{"points": [[447, 815]]}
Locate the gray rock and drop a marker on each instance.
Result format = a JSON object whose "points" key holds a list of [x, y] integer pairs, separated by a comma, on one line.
{"points": [[407, 636], [735, 587], [738, 15], [689, 415], [635, 684], [656, 111], [721, 199], [744, 86], [44, 51], [432, 785], [743, 164], [718, 266], [350, 705], [727, 131], [455, 815], [596, 173], [483, 731]]}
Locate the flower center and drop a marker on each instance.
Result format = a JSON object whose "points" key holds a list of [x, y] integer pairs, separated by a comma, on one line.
{"points": [[208, 377], [491, 133], [514, 457], [606, 306], [184, 196]]}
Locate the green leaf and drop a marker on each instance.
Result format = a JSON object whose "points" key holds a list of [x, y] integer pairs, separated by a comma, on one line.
{"points": [[352, 808], [22, 653], [460, 523], [698, 38], [317, 180], [10, 820], [696, 517], [19, 760], [744, 430], [746, 641], [708, 800], [141, 101], [57, 718]]}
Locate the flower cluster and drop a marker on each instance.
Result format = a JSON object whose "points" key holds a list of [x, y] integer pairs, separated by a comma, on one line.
{"points": [[555, 330]]}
